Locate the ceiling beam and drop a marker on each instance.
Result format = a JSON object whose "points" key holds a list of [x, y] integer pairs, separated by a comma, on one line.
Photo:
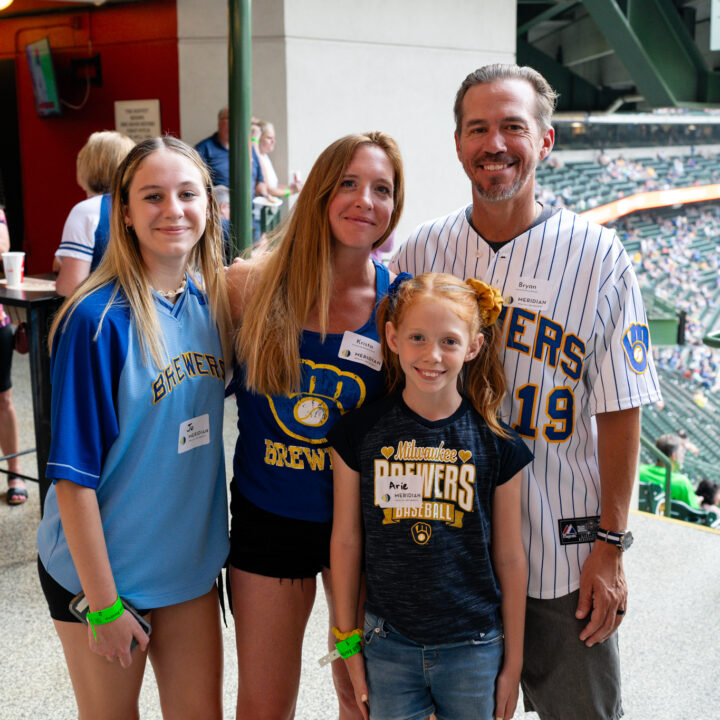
{"points": [[548, 14]]}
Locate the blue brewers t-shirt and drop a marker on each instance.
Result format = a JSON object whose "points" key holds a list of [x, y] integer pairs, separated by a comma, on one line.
{"points": [[282, 461]]}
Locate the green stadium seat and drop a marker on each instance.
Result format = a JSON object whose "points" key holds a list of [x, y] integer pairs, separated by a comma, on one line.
{"points": [[651, 498], [682, 511]]}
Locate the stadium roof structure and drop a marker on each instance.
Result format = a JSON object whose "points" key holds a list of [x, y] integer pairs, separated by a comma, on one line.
{"points": [[602, 54]]}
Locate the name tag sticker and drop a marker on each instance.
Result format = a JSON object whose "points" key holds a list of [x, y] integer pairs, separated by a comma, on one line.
{"points": [[194, 433], [399, 491], [531, 294], [361, 349]]}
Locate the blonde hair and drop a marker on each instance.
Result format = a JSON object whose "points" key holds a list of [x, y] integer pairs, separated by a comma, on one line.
{"points": [[482, 380], [98, 159], [295, 275], [123, 266], [265, 126]]}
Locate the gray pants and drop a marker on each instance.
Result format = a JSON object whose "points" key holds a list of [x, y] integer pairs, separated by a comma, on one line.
{"points": [[562, 679]]}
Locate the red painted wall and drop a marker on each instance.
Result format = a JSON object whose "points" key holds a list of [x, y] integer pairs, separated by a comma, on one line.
{"points": [[137, 43]]}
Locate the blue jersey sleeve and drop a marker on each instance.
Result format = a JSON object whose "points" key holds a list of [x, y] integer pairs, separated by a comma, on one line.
{"points": [[85, 375]]}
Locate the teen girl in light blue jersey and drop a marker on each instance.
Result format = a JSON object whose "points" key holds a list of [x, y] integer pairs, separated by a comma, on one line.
{"points": [[138, 506]]}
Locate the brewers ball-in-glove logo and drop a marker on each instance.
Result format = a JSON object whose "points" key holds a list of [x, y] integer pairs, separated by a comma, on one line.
{"points": [[421, 532], [636, 344], [326, 393]]}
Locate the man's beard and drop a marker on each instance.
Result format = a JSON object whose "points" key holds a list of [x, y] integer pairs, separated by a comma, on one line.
{"points": [[497, 192]]}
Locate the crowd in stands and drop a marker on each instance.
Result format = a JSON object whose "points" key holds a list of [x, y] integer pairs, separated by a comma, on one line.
{"points": [[679, 261], [655, 133], [676, 255], [584, 185]]}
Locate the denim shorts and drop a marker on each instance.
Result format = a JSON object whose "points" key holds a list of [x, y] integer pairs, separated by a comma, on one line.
{"points": [[409, 681]]}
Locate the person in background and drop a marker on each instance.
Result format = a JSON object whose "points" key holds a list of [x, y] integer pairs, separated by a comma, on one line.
{"points": [[222, 195], [681, 487], [709, 493], [266, 144], [87, 228], [9, 442], [215, 150]]}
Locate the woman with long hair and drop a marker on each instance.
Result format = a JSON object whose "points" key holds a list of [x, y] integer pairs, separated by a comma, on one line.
{"points": [[308, 351], [137, 514]]}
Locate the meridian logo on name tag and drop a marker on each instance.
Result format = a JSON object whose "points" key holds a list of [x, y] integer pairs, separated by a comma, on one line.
{"points": [[531, 294], [399, 491], [361, 349], [194, 433]]}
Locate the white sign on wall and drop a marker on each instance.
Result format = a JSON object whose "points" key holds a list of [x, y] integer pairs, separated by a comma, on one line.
{"points": [[715, 25], [138, 119]]}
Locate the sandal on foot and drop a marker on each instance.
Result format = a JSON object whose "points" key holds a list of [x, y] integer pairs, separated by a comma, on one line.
{"points": [[16, 496]]}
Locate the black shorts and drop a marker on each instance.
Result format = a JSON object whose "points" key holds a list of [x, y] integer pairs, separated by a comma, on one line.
{"points": [[7, 346], [275, 546], [58, 598]]}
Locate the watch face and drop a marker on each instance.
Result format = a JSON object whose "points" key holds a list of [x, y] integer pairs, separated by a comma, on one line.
{"points": [[627, 540]]}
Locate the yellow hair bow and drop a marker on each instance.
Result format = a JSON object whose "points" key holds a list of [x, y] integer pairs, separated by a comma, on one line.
{"points": [[490, 299]]}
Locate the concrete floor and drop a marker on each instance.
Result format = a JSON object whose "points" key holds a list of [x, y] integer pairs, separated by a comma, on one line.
{"points": [[670, 639]]}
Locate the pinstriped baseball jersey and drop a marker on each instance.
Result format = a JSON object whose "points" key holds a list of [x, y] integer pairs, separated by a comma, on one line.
{"points": [[575, 343]]}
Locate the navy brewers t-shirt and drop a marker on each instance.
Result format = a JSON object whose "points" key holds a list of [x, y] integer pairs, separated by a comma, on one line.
{"points": [[428, 565]]}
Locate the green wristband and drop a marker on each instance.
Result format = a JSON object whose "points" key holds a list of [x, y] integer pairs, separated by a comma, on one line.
{"points": [[102, 617], [287, 193], [350, 646]]}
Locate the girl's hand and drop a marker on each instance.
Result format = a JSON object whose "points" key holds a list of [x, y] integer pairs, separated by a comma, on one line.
{"points": [[356, 669], [114, 639], [506, 694]]}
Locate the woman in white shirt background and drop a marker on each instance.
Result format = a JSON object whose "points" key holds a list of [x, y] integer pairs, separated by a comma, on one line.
{"points": [[266, 144]]}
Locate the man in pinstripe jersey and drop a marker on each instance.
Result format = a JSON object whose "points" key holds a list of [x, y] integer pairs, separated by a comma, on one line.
{"points": [[577, 358]]}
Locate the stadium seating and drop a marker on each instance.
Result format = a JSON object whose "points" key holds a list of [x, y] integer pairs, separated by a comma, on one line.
{"points": [[676, 254], [651, 498]]}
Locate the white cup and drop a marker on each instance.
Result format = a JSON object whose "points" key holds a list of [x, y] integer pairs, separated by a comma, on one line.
{"points": [[14, 263]]}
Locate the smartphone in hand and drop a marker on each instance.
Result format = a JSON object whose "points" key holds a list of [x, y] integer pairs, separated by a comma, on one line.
{"points": [[80, 607]]}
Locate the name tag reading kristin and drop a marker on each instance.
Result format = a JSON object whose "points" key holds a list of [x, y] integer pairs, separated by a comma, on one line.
{"points": [[398, 491], [361, 349], [194, 433], [531, 294]]}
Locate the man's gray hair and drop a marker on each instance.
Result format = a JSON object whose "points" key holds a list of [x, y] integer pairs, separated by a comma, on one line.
{"points": [[546, 97]]}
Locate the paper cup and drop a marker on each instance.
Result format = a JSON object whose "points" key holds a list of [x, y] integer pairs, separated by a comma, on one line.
{"points": [[14, 263]]}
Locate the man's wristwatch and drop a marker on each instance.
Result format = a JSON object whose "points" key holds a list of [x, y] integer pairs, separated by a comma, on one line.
{"points": [[622, 541]]}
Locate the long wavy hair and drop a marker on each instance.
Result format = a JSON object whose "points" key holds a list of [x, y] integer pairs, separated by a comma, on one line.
{"points": [[122, 264], [295, 274], [482, 380]]}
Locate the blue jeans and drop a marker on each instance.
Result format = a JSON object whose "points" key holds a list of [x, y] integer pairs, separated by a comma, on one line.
{"points": [[409, 681]]}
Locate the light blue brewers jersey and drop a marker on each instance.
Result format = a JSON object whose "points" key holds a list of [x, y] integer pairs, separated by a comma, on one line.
{"points": [[148, 441], [575, 343]]}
